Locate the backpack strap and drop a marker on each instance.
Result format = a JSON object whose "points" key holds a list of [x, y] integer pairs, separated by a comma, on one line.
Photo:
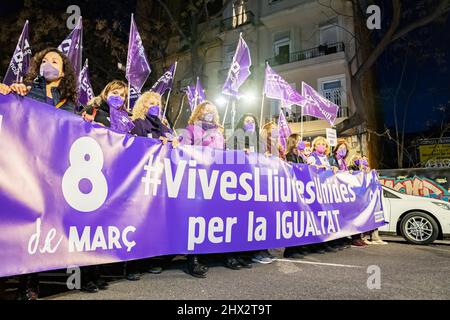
{"points": [[61, 103]]}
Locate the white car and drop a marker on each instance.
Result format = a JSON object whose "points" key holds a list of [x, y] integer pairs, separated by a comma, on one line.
{"points": [[419, 220]]}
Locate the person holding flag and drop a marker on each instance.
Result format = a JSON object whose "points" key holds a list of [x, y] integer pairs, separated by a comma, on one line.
{"points": [[50, 79], [20, 62], [109, 108]]}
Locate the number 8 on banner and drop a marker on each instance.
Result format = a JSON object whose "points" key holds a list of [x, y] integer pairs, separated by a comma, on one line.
{"points": [[86, 162]]}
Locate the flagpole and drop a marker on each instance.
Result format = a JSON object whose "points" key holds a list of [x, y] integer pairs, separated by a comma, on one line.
{"points": [[22, 45], [226, 111], [170, 90], [301, 123], [233, 113], [81, 44], [129, 85]]}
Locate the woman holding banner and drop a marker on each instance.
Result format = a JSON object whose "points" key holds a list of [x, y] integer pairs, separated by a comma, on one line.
{"points": [[50, 79], [338, 159], [294, 154], [319, 159], [146, 117], [203, 129], [109, 108]]}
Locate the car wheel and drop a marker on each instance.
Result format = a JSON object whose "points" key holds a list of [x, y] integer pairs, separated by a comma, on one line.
{"points": [[419, 228]]}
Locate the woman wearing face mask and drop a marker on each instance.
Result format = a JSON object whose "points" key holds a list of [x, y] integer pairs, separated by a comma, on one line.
{"points": [[270, 144], [319, 156], [319, 159], [203, 130], [295, 148], [246, 136], [147, 117], [109, 108], [339, 160], [359, 163], [51, 80]]}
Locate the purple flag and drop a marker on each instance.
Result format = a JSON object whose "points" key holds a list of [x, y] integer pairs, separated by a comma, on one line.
{"points": [[190, 92], [283, 129], [138, 68], [20, 62], [120, 121], [84, 85], [199, 93], [72, 47], [317, 106], [276, 87], [134, 95], [239, 70], [166, 81]]}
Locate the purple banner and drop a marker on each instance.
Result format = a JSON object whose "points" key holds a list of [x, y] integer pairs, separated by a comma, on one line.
{"points": [[20, 62], [72, 47], [90, 195], [84, 85], [317, 106], [239, 69], [138, 68]]}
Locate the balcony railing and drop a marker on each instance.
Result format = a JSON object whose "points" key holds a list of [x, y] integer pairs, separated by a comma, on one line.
{"points": [[322, 50], [237, 21]]}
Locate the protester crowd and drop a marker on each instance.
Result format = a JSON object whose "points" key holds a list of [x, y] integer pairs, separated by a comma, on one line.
{"points": [[51, 80]]}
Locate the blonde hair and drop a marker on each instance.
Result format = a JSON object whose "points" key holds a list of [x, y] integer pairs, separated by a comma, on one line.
{"points": [[322, 139], [292, 142], [113, 85], [144, 102], [353, 158], [195, 116]]}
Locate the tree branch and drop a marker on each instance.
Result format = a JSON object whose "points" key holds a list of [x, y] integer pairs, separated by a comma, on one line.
{"points": [[442, 8], [172, 19], [383, 43]]}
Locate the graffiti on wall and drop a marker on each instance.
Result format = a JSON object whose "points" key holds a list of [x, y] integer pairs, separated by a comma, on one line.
{"points": [[418, 186]]}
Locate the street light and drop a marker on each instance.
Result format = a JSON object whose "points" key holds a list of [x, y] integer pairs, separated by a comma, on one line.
{"points": [[221, 101]]}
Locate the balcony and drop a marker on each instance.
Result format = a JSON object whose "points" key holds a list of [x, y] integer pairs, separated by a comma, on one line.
{"points": [[322, 50], [237, 21]]}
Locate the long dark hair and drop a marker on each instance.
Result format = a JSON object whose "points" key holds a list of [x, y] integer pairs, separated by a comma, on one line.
{"points": [[68, 85], [240, 123]]}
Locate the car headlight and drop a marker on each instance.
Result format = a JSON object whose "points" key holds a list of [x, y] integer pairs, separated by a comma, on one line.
{"points": [[442, 205]]}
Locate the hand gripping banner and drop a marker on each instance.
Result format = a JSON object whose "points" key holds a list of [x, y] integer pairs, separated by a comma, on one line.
{"points": [[74, 193]]}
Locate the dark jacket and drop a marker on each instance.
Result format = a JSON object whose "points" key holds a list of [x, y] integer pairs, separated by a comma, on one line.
{"points": [[101, 113], [151, 125], [38, 92], [293, 158], [333, 161]]}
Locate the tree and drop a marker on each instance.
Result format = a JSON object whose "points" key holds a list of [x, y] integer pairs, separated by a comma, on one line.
{"points": [[369, 48]]}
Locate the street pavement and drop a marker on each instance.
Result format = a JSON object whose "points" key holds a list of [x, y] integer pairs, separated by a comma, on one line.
{"points": [[406, 272]]}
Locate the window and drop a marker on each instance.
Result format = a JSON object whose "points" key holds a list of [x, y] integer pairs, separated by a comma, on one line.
{"points": [[334, 89], [239, 13], [282, 47], [328, 35], [389, 195]]}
